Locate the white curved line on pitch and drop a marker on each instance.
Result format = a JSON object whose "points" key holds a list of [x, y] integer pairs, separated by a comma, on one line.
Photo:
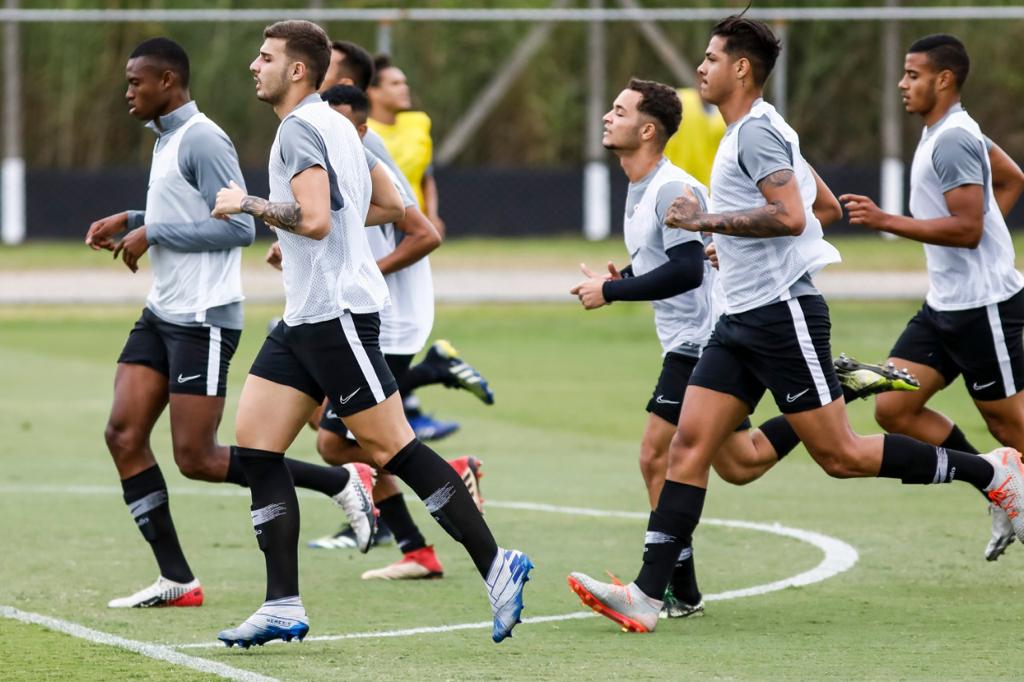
{"points": [[839, 557], [155, 651]]}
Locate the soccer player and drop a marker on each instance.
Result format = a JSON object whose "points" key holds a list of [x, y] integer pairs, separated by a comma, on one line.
{"points": [[328, 342], [972, 318], [669, 269], [774, 333], [178, 353]]}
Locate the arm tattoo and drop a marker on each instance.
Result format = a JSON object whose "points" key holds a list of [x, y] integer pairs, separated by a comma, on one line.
{"points": [[763, 221], [283, 214]]}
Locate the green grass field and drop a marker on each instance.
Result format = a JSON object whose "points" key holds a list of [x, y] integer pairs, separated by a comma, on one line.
{"points": [[860, 253], [921, 603]]}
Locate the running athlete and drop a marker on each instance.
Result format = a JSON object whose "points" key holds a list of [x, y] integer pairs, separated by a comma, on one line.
{"points": [[972, 318], [178, 353], [328, 342], [774, 334]]}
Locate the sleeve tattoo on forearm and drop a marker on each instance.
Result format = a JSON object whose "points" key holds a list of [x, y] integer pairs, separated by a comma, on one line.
{"points": [[283, 214], [763, 221]]}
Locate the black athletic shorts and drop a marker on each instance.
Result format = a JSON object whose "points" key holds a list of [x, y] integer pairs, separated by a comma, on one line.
{"points": [[338, 358], [194, 359], [398, 364], [984, 344], [667, 399], [783, 347]]}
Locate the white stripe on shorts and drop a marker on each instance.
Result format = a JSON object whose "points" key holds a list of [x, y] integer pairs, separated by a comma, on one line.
{"points": [[362, 358], [803, 336], [1002, 352], [213, 362]]}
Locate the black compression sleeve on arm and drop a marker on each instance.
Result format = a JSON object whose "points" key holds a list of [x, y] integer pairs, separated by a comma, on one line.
{"points": [[683, 271]]}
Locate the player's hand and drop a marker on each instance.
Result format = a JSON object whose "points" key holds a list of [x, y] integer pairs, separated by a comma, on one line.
{"points": [[863, 211], [229, 201], [712, 253], [273, 256], [613, 272], [590, 291], [683, 212], [102, 232], [132, 247]]}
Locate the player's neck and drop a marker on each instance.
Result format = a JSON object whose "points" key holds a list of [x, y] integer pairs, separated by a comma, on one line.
{"points": [[291, 99], [177, 101], [738, 104], [384, 115], [639, 163], [940, 109]]}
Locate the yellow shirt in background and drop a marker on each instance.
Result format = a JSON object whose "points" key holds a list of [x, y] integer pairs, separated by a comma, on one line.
{"points": [[693, 146], [408, 141]]}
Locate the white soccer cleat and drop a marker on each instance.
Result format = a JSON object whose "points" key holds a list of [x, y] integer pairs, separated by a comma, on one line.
{"points": [[627, 605], [356, 500], [163, 592], [1007, 488], [1002, 533], [419, 564], [283, 619], [510, 571]]}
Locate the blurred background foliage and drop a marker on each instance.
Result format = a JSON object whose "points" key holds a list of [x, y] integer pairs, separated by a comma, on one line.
{"points": [[75, 113]]}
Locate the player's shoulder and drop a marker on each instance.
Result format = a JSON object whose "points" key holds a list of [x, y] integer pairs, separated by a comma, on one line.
{"points": [[413, 120]]}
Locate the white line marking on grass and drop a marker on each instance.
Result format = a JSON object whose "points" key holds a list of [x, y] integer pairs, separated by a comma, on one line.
{"points": [[156, 651], [839, 557]]}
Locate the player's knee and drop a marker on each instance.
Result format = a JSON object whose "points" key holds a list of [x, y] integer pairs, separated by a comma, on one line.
{"points": [[734, 472], [837, 461], [196, 463], [332, 448], [652, 457], [891, 415], [1006, 431], [123, 440]]}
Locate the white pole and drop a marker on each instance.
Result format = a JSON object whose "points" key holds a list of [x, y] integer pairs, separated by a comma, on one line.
{"points": [[597, 220], [780, 75], [892, 170], [384, 38], [12, 170]]}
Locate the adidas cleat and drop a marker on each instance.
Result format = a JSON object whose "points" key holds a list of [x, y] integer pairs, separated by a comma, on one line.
{"points": [[345, 538], [460, 374], [163, 592], [427, 428], [283, 619], [468, 469], [672, 607], [510, 571], [1007, 488], [1002, 533], [860, 379], [627, 605], [419, 564], [356, 500]]}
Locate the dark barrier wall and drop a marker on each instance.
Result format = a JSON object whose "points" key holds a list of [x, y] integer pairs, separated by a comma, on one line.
{"points": [[474, 201]]}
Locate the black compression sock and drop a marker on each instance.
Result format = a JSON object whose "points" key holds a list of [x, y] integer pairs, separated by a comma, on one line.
{"points": [[236, 472], [684, 578], [329, 480], [914, 462], [395, 514], [423, 374], [447, 500], [669, 529], [145, 493], [956, 440], [275, 518], [781, 435]]}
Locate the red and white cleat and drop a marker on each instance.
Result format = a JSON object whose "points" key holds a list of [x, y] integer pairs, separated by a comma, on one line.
{"points": [[470, 471], [419, 564], [163, 592]]}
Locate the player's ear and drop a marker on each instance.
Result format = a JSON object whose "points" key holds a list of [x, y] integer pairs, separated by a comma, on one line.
{"points": [[742, 68], [298, 71]]}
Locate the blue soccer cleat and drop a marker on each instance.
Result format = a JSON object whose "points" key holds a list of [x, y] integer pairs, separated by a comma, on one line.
{"points": [[505, 582], [427, 428], [283, 619]]}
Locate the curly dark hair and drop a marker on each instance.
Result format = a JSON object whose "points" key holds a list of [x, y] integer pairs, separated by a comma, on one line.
{"points": [[661, 103]]}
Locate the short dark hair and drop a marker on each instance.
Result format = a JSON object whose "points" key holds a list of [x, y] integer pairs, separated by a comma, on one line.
{"points": [[380, 62], [945, 52], [660, 102], [751, 39], [169, 53], [305, 42], [358, 64], [350, 95]]}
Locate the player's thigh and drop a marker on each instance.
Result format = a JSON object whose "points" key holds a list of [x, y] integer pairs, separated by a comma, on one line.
{"points": [[707, 420], [270, 415], [1005, 419], [832, 443], [194, 422], [891, 405], [140, 395], [656, 440], [381, 430]]}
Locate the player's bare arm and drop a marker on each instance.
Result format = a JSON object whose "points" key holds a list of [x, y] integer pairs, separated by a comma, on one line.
{"points": [[781, 216], [386, 204], [963, 228], [826, 207], [421, 237], [307, 216], [1007, 179], [101, 233]]}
